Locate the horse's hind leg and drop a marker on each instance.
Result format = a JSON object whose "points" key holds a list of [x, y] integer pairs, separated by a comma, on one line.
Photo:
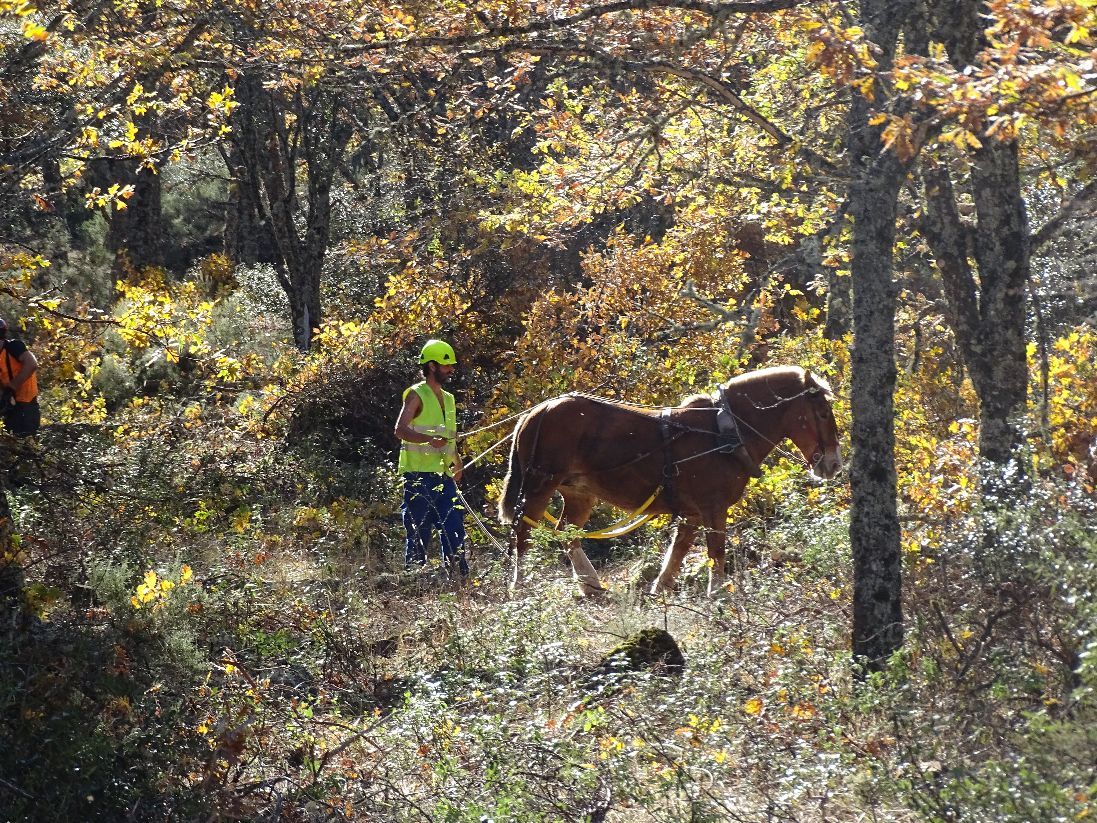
{"points": [[537, 495], [577, 508], [680, 543]]}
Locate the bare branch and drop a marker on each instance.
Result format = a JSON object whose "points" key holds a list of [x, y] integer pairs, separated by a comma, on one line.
{"points": [[723, 90], [1083, 203], [557, 23]]}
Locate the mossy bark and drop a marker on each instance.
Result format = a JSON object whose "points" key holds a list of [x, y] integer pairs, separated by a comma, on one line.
{"points": [[652, 649], [878, 172]]}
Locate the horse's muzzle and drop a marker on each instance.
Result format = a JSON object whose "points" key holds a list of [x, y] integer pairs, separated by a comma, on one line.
{"points": [[828, 465]]}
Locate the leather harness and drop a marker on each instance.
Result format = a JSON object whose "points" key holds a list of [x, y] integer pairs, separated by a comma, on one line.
{"points": [[670, 468], [726, 424]]}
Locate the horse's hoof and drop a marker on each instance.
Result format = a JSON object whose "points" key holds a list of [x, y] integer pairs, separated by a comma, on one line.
{"points": [[591, 593]]}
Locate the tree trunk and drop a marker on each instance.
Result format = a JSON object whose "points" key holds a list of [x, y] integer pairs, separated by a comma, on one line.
{"points": [[1002, 252], [11, 570], [53, 184], [271, 146], [839, 306], [247, 239], [987, 313], [874, 523]]}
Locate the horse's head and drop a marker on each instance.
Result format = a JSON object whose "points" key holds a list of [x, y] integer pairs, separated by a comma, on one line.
{"points": [[813, 429]]}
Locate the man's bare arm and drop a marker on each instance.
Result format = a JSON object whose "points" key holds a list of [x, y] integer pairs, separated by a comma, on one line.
{"points": [[404, 431]]}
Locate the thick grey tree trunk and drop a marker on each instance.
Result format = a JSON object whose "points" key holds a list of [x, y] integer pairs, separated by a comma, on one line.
{"points": [[874, 523]]}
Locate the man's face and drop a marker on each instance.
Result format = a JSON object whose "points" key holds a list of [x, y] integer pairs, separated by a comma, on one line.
{"points": [[443, 371]]}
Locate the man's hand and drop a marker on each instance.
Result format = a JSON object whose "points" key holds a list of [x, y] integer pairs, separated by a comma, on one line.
{"points": [[437, 442]]}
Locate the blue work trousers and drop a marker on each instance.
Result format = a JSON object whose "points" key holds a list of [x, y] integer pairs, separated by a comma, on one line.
{"points": [[431, 505]]}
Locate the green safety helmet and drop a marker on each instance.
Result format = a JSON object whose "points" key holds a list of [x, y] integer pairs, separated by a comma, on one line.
{"points": [[438, 351]]}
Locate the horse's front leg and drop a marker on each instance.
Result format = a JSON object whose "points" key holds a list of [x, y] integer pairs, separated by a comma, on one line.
{"points": [[715, 541], [577, 510], [680, 543]]}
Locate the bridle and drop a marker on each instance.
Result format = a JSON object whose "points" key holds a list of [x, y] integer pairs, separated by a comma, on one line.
{"points": [[821, 444]]}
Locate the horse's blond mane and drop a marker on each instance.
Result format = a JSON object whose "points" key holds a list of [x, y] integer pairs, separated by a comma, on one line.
{"points": [[695, 399], [802, 379], [794, 373]]}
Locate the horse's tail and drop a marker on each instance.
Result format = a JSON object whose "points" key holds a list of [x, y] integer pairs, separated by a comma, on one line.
{"points": [[512, 483]]}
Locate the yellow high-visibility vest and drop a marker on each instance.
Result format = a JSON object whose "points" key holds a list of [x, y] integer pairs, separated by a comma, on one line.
{"points": [[433, 420]]}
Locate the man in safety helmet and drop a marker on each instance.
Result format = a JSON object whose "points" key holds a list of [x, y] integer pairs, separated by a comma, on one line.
{"points": [[427, 428], [18, 385]]}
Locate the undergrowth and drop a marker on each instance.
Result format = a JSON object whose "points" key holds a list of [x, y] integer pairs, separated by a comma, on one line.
{"points": [[292, 680]]}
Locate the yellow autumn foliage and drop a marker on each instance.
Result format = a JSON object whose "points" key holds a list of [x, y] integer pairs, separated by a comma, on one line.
{"points": [[1072, 400]]}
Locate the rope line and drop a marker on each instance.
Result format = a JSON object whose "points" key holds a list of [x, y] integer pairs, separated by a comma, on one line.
{"points": [[683, 428], [720, 388], [488, 450], [480, 523], [623, 406], [774, 446], [499, 422]]}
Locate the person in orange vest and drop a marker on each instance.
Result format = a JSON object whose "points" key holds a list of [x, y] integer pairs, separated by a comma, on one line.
{"points": [[427, 429], [18, 385]]}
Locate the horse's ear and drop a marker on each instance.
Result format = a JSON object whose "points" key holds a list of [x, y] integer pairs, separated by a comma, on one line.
{"points": [[811, 385], [817, 384]]}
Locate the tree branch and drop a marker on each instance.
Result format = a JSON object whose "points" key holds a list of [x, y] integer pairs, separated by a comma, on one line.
{"points": [[557, 23], [724, 91], [1082, 200], [944, 230]]}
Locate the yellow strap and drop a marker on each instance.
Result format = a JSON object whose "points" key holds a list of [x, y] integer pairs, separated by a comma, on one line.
{"points": [[618, 529], [621, 527], [546, 517]]}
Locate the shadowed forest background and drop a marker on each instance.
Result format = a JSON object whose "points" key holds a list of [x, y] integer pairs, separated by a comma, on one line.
{"points": [[226, 230]]}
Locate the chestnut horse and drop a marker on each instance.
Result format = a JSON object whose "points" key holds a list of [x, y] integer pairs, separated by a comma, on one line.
{"points": [[590, 449]]}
